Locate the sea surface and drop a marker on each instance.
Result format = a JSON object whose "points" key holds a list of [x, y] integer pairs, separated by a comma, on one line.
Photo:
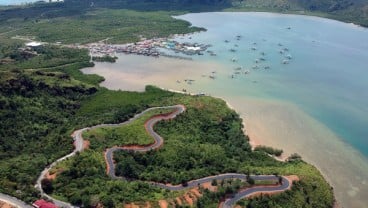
{"points": [[316, 104]]}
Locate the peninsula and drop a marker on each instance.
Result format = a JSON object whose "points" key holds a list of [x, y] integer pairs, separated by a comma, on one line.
{"points": [[155, 148]]}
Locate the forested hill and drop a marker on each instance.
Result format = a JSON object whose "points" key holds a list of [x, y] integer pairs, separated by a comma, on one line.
{"points": [[355, 11], [345, 10]]}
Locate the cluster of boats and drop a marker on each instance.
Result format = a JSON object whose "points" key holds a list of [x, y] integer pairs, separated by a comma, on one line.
{"points": [[260, 63]]}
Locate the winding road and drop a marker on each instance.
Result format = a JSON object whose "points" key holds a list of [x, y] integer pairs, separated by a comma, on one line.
{"points": [[13, 201], [158, 142]]}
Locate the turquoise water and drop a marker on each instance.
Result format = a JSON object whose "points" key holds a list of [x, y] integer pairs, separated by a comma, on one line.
{"points": [[317, 105], [327, 76]]}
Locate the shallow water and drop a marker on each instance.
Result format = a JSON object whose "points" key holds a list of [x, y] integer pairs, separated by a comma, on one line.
{"points": [[316, 105]]}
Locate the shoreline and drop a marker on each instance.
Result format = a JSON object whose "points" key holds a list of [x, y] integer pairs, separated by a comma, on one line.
{"points": [[253, 139], [303, 131]]}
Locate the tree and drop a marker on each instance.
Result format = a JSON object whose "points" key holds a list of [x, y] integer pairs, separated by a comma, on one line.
{"points": [[47, 185], [280, 179], [251, 181]]}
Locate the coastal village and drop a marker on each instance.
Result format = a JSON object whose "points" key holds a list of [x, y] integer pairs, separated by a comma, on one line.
{"points": [[149, 47]]}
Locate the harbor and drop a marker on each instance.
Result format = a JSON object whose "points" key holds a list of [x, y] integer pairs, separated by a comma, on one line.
{"points": [[149, 47]]}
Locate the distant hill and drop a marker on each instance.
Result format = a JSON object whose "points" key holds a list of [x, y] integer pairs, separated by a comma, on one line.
{"points": [[355, 11], [345, 10]]}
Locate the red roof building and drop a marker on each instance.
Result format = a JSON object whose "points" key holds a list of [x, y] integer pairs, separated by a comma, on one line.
{"points": [[43, 204]]}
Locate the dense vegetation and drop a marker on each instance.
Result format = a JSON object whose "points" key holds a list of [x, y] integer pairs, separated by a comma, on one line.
{"points": [[269, 150], [82, 21], [44, 97], [355, 11], [106, 58], [205, 140], [92, 25]]}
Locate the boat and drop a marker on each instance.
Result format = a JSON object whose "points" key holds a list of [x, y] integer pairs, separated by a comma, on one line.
{"points": [[279, 44], [286, 49], [246, 72], [226, 41], [234, 60], [177, 81], [262, 59], [266, 67], [255, 67], [232, 50], [263, 53], [281, 52], [254, 48], [285, 61], [256, 61], [211, 77], [238, 68], [288, 57]]}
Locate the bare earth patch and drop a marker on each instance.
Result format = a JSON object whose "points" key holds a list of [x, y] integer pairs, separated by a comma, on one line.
{"points": [[5, 205], [178, 200], [188, 199], [50, 176], [86, 144], [209, 186], [163, 204], [132, 205]]}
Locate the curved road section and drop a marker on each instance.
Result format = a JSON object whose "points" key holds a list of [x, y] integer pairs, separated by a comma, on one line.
{"points": [[13, 201], [158, 142]]}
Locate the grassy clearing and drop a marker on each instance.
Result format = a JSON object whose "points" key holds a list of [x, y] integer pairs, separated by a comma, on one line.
{"points": [[130, 134]]}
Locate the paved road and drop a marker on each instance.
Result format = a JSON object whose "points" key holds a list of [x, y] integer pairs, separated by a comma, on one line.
{"points": [[194, 183], [158, 141], [13, 201]]}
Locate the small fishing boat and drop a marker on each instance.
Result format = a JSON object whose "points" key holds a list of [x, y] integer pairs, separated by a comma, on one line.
{"points": [[285, 61]]}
